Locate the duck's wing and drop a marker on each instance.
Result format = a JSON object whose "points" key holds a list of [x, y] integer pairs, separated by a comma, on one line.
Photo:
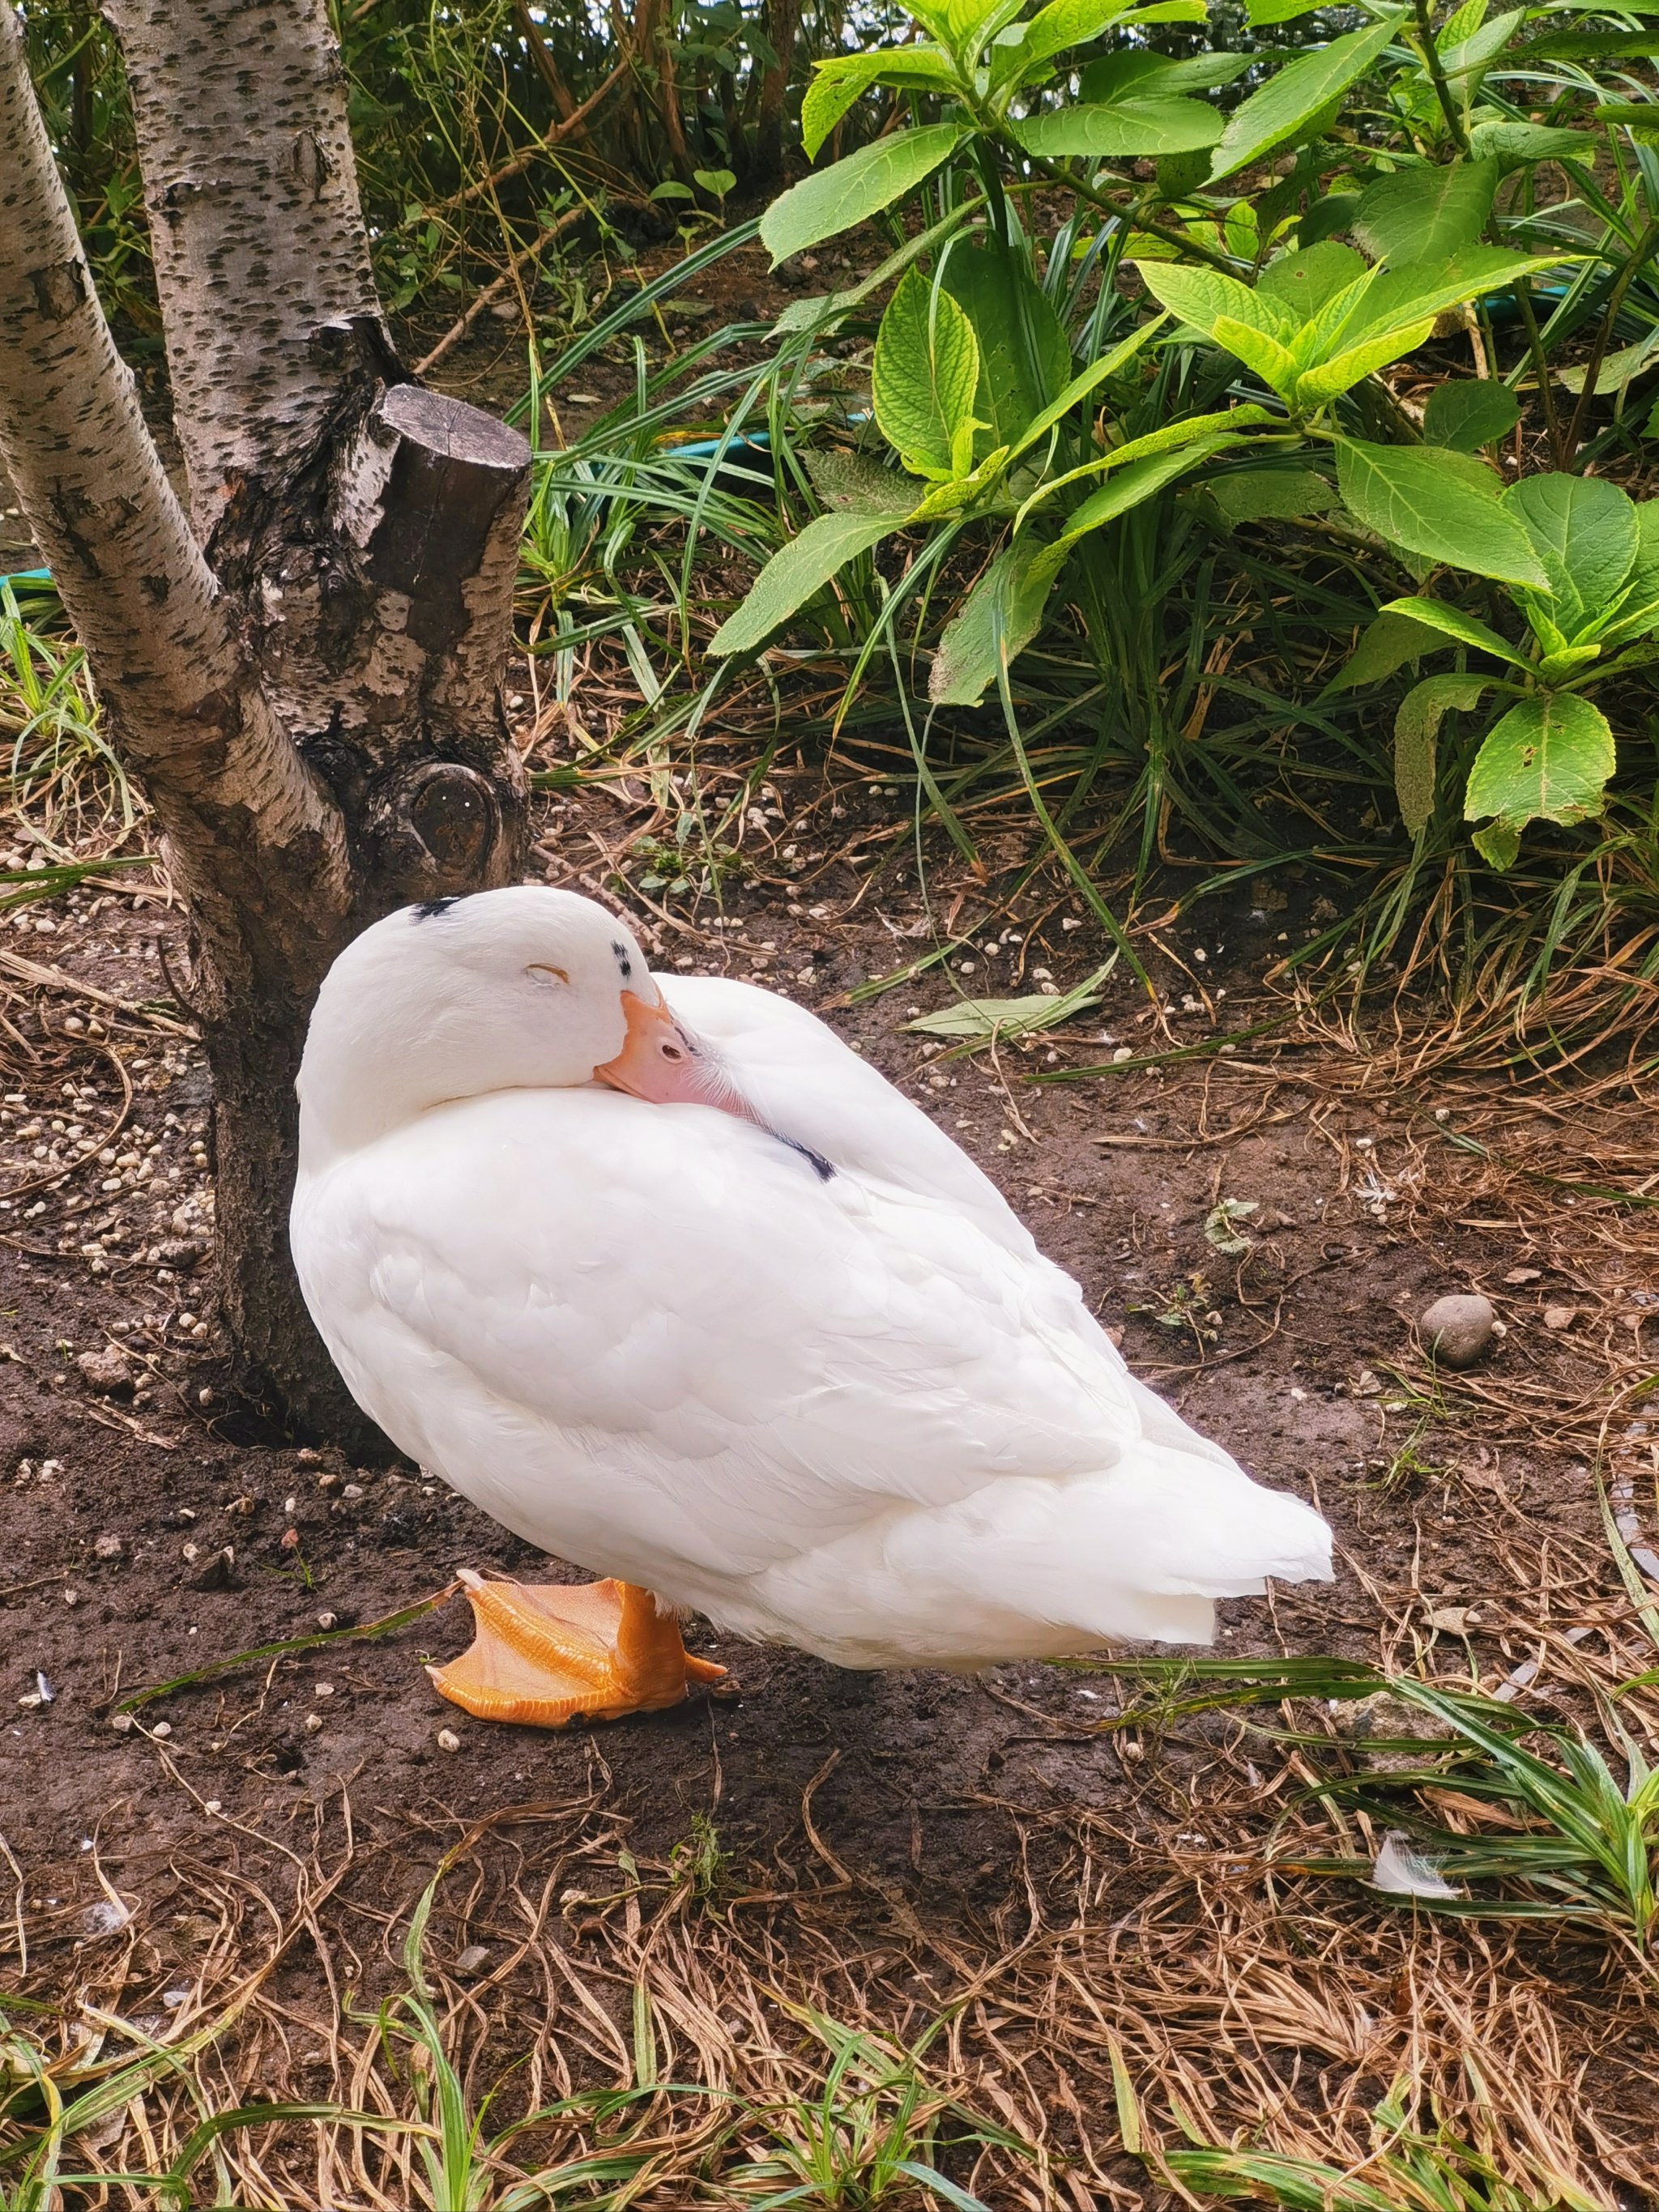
{"points": [[806, 1083], [655, 1341]]}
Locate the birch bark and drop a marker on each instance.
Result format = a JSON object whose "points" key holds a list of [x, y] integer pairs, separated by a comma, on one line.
{"points": [[307, 686]]}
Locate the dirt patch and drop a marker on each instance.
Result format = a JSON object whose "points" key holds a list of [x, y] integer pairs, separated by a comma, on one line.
{"points": [[871, 1840]]}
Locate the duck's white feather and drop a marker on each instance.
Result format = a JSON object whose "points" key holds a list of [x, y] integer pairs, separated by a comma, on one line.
{"points": [[861, 1414]]}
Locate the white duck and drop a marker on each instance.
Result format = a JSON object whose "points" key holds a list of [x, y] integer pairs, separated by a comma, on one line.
{"points": [[677, 1288]]}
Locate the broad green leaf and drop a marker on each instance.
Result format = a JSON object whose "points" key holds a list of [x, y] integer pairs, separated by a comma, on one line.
{"points": [[1585, 534], [1202, 297], [1306, 281], [1639, 117], [1388, 643], [1297, 94], [1550, 756], [1133, 70], [984, 1017], [1426, 215], [1023, 358], [965, 484], [1119, 129], [852, 190], [1434, 614], [1517, 145], [1325, 217], [1260, 13], [1406, 295], [1470, 415], [1085, 381], [1273, 363], [811, 314], [1323, 383], [1139, 480], [924, 375], [1465, 61], [1618, 369], [852, 483], [1415, 498], [836, 83], [1195, 430], [1166, 11], [1640, 611], [1281, 493], [1417, 738], [797, 569], [1003, 612], [1066, 24]]}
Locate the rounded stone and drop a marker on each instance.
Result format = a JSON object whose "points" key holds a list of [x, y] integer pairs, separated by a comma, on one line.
{"points": [[1457, 1330]]}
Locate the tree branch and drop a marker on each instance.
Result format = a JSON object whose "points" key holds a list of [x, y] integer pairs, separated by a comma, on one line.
{"points": [[188, 716], [257, 233]]}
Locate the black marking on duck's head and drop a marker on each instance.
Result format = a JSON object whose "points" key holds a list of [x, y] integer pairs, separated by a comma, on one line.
{"points": [[623, 960], [429, 909]]}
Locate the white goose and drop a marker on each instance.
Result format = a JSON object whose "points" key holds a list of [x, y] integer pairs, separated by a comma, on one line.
{"points": [[671, 1283]]}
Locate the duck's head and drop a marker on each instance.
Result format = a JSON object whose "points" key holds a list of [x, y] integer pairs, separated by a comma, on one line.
{"points": [[524, 989]]}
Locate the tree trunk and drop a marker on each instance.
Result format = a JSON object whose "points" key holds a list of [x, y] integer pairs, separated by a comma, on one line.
{"points": [[782, 20], [311, 695]]}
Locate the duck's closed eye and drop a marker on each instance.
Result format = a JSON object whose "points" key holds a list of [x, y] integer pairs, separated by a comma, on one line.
{"points": [[544, 968]]}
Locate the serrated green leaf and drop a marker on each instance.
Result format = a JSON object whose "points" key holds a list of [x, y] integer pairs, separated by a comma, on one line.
{"points": [[1117, 130], [853, 189], [1470, 415], [1427, 214], [844, 78], [1085, 381], [1140, 480], [1414, 498], [1617, 369], [1453, 622], [1066, 24], [1023, 358], [1281, 493], [1586, 536], [1346, 369], [795, 571], [1297, 94], [1202, 297], [811, 314], [1273, 363], [925, 373], [1640, 611], [1408, 295], [1417, 738], [1389, 641], [1305, 281], [1518, 145], [1134, 72], [1549, 758], [1465, 61], [852, 483], [1001, 614]]}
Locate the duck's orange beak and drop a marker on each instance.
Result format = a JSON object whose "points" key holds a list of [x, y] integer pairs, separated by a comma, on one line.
{"points": [[657, 1061]]}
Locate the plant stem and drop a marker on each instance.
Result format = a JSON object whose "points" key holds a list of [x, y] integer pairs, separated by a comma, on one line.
{"points": [[1431, 63], [1540, 370], [1639, 257]]}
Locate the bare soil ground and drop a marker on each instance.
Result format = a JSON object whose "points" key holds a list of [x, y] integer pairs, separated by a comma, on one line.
{"points": [[893, 1849]]}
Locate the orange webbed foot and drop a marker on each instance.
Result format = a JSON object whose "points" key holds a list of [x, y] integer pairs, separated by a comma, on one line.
{"points": [[546, 1654]]}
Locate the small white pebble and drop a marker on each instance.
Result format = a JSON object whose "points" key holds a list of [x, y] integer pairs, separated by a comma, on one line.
{"points": [[212, 1805], [313, 1723], [162, 1728], [323, 1690], [121, 1723], [447, 1740]]}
